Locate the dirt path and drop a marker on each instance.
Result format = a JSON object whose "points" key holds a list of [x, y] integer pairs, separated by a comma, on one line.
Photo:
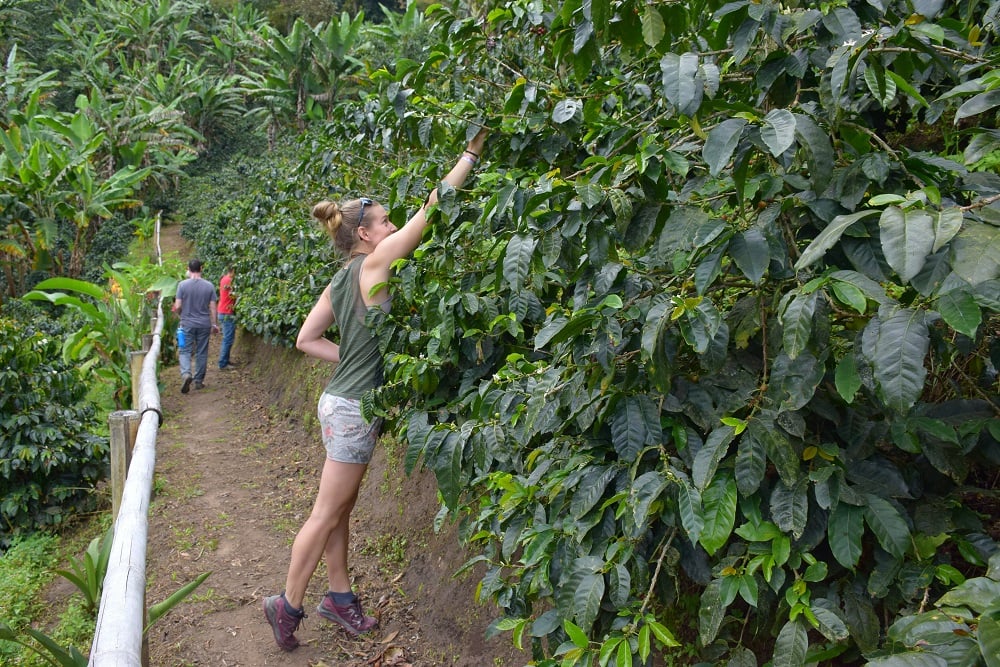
{"points": [[237, 469]]}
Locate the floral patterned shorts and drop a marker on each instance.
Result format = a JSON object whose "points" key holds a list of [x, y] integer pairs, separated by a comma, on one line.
{"points": [[348, 438]]}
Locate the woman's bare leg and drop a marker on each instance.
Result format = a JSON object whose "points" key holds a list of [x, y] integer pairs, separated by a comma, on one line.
{"points": [[336, 556], [326, 530]]}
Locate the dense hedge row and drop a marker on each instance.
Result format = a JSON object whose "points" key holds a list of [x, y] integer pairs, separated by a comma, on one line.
{"points": [[707, 348], [710, 328]]}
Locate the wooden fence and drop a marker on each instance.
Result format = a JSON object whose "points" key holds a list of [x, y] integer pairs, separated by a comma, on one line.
{"points": [[119, 640]]}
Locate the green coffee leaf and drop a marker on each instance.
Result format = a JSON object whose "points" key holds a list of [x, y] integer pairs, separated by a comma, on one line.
{"points": [[978, 104], [888, 526], [797, 322], [907, 237], [850, 296], [976, 253], [711, 612], [566, 110], [722, 141], [790, 508], [978, 594], [719, 501], [682, 85], [635, 425], [791, 645], [947, 223], [582, 591], [778, 131], [750, 251], [517, 260], [707, 459], [988, 635], [959, 309], [689, 505], [751, 465], [816, 142], [846, 378], [898, 356], [653, 29], [829, 237]]}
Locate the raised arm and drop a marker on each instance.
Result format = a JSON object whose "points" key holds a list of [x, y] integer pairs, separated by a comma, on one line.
{"points": [[405, 240]]}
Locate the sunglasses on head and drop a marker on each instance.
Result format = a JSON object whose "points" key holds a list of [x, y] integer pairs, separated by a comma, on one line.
{"points": [[365, 201]]}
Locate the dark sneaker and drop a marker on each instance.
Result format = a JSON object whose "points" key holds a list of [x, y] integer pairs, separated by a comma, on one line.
{"points": [[199, 385], [349, 616], [284, 621], [186, 387]]}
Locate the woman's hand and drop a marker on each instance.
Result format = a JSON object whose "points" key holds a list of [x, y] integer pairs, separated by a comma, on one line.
{"points": [[477, 142]]}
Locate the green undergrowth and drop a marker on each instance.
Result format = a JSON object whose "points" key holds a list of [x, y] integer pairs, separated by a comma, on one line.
{"points": [[27, 570]]}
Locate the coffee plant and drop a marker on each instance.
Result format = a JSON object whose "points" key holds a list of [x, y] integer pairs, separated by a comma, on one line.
{"points": [[49, 454], [716, 318], [705, 353]]}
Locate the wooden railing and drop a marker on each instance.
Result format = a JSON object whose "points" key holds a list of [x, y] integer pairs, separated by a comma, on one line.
{"points": [[119, 638]]}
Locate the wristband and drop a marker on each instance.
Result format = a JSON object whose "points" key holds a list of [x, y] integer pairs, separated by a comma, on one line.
{"points": [[468, 159], [472, 153]]}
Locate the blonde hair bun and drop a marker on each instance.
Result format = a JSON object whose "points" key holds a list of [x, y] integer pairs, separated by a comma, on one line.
{"points": [[328, 213]]}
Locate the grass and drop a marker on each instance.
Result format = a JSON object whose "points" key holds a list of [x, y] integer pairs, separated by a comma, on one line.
{"points": [[392, 477], [388, 549], [254, 449], [184, 538], [26, 569]]}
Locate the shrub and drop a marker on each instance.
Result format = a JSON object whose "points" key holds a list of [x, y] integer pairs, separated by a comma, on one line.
{"points": [[50, 457]]}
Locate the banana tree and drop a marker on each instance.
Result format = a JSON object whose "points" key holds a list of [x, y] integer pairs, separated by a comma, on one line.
{"points": [[114, 318], [332, 62], [22, 84], [283, 83], [236, 38]]}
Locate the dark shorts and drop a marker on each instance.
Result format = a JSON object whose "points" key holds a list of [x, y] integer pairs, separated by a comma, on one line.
{"points": [[348, 438]]}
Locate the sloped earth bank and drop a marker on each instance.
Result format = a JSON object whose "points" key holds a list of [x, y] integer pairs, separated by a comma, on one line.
{"points": [[237, 468]]}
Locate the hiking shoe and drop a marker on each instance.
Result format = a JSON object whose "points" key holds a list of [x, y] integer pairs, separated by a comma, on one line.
{"points": [[199, 385], [186, 387], [284, 621], [349, 616]]}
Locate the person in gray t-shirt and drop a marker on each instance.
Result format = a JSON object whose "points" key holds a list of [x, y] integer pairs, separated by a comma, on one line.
{"points": [[196, 302]]}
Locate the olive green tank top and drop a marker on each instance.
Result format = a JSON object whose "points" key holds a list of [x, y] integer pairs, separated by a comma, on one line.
{"points": [[360, 368]]}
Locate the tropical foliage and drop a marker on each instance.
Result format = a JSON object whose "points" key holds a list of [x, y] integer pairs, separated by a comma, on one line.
{"points": [[716, 320], [707, 351], [49, 453]]}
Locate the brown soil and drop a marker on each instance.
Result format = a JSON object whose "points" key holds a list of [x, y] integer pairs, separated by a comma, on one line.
{"points": [[237, 469]]}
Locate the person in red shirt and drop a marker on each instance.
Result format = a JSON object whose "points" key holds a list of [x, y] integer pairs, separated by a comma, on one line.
{"points": [[227, 318]]}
